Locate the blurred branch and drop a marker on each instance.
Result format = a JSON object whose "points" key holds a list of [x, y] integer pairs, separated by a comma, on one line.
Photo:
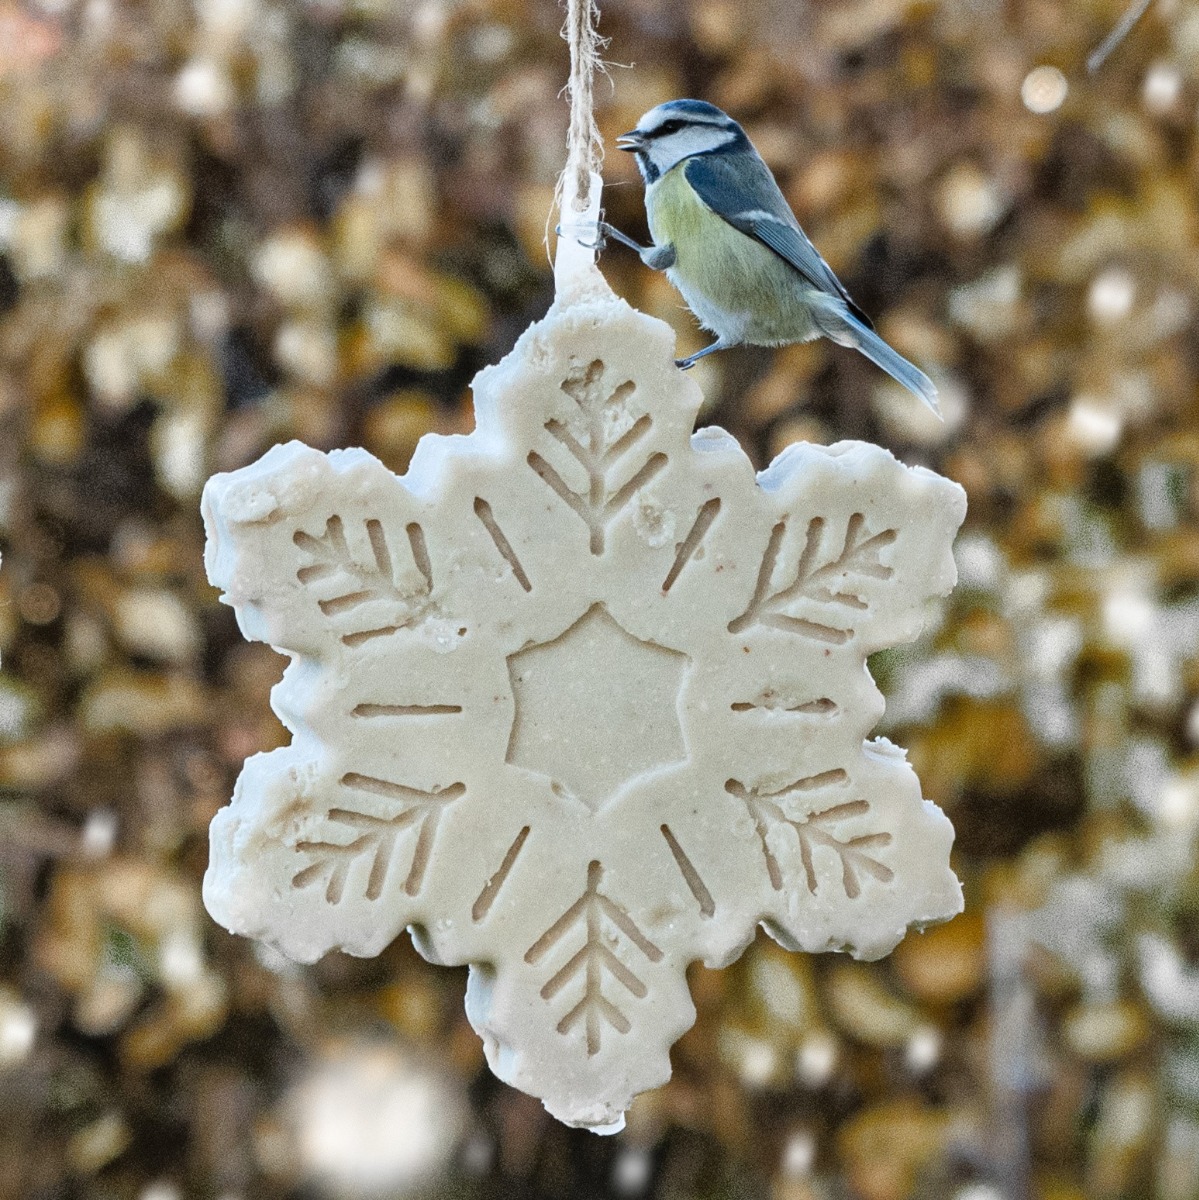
{"points": [[1135, 11]]}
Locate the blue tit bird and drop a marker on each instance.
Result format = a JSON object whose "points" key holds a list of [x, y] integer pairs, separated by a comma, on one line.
{"points": [[727, 239]]}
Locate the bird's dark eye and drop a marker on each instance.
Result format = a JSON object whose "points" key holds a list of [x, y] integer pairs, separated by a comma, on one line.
{"points": [[670, 127]]}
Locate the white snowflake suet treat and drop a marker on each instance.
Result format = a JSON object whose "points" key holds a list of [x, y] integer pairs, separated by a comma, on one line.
{"points": [[580, 700]]}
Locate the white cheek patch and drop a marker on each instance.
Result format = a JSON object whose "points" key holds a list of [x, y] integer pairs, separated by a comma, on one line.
{"points": [[666, 152]]}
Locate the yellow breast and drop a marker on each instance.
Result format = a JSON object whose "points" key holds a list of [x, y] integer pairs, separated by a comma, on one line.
{"points": [[719, 269], [676, 214]]}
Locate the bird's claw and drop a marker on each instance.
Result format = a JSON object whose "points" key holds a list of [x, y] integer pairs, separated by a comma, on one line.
{"points": [[597, 244]]}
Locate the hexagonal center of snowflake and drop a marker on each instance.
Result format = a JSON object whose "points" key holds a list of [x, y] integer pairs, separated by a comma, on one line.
{"points": [[596, 707]]}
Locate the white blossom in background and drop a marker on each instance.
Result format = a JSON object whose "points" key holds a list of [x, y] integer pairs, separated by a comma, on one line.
{"points": [[580, 701]]}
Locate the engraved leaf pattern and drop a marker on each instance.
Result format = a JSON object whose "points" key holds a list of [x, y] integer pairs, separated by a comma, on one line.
{"points": [[594, 915], [593, 442], [826, 581], [579, 702], [376, 837], [349, 584], [858, 855]]}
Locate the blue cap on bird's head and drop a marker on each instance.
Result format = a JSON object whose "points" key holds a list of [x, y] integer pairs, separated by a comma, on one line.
{"points": [[699, 109]]}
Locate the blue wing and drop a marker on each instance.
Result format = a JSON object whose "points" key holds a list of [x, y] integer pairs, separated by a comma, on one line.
{"points": [[727, 182]]}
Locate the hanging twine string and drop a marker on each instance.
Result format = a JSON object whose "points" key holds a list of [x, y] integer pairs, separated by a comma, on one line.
{"points": [[580, 186], [584, 150]]}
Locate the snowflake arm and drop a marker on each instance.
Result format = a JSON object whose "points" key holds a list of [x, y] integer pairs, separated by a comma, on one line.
{"points": [[860, 568], [337, 581], [832, 841]]}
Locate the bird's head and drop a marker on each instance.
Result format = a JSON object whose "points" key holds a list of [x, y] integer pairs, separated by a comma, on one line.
{"points": [[677, 130]]}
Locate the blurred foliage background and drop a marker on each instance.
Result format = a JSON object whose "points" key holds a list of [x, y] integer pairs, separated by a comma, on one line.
{"points": [[230, 222]]}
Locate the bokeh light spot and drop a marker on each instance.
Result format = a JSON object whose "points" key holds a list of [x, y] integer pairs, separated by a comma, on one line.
{"points": [[1044, 90]]}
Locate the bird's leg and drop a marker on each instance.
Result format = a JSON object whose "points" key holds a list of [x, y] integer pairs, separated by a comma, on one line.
{"points": [[610, 231], [657, 258], [685, 364]]}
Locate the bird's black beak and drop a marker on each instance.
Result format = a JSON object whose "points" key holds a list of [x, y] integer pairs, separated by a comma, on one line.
{"points": [[630, 141]]}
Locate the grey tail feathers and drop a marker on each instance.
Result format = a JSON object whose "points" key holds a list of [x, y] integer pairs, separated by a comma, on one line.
{"points": [[842, 327]]}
